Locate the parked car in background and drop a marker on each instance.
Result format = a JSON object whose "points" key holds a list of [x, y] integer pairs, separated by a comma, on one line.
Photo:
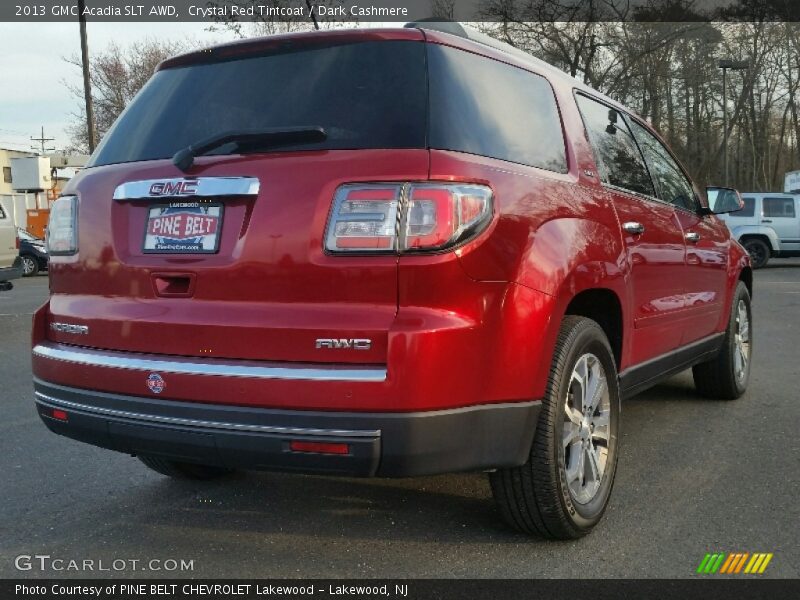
{"points": [[33, 252], [10, 262], [768, 226], [450, 256]]}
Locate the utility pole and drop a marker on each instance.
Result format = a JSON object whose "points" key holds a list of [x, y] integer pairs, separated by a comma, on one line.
{"points": [[42, 141], [735, 65], [312, 14], [87, 86]]}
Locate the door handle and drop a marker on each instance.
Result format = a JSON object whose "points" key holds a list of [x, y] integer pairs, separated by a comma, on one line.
{"points": [[692, 237], [633, 227], [766, 220]]}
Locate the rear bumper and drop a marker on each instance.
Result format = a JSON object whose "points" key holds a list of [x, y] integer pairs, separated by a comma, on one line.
{"points": [[380, 444], [12, 272]]}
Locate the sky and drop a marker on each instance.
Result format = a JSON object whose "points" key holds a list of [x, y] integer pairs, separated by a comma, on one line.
{"points": [[34, 74]]}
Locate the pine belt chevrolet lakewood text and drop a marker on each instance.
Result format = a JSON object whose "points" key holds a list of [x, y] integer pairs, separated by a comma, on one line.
{"points": [[386, 253]]}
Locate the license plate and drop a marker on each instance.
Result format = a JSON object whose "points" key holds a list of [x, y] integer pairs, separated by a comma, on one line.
{"points": [[183, 228]]}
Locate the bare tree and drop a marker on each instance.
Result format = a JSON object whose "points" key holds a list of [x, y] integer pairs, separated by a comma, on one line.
{"points": [[117, 74], [667, 71]]}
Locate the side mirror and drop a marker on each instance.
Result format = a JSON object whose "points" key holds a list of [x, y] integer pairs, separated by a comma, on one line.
{"points": [[723, 200]]}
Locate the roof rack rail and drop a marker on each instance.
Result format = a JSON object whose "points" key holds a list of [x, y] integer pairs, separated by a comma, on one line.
{"points": [[439, 24]]}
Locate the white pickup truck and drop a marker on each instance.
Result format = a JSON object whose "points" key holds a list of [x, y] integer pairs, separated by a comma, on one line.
{"points": [[10, 262], [768, 226]]}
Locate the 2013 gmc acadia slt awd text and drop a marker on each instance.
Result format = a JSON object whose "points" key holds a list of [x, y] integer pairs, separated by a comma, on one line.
{"points": [[386, 252]]}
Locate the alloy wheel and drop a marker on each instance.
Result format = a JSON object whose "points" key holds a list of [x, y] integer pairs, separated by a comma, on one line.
{"points": [[741, 338], [28, 266], [587, 427]]}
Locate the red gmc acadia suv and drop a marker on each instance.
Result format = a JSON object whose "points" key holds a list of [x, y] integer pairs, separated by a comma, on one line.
{"points": [[386, 252]]}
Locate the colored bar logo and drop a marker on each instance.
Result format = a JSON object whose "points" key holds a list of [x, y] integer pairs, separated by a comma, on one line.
{"points": [[734, 563]]}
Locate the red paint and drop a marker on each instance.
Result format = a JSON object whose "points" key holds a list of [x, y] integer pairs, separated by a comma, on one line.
{"points": [[469, 326]]}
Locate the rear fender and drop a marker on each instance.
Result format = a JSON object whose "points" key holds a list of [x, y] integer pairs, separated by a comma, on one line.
{"points": [[738, 261], [569, 256]]}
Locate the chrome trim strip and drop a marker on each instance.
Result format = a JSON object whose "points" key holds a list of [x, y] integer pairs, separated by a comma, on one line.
{"points": [[57, 403], [226, 368], [202, 187]]}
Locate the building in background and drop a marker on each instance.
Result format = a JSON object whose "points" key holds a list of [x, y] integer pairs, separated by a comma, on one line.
{"points": [[6, 154], [30, 183]]}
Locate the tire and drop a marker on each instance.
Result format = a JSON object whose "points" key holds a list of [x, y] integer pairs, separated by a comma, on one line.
{"points": [[184, 470], [30, 266], [758, 250], [542, 497], [724, 377]]}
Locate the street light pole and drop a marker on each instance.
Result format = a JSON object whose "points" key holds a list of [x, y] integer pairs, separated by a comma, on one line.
{"points": [[87, 86], [726, 64]]}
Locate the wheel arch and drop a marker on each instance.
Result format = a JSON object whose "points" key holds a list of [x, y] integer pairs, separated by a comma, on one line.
{"points": [[767, 234], [604, 304], [746, 276]]}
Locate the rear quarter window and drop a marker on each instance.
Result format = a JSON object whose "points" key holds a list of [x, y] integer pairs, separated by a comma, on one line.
{"points": [[618, 157], [485, 107], [778, 207]]}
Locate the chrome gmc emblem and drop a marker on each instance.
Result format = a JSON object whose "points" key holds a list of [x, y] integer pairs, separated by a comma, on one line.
{"points": [[344, 344], [174, 187]]}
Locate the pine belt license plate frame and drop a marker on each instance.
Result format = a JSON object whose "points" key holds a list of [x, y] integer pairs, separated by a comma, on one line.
{"points": [[169, 227]]}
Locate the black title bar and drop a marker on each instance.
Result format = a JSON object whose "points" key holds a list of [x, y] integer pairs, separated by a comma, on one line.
{"points": [[330, 12], [705, 588]]}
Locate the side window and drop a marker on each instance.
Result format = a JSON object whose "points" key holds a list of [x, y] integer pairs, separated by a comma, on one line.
{"points": [[7, 175], [616, 153], [779, 207], [749, 208], [671, 183], [485, 107]]}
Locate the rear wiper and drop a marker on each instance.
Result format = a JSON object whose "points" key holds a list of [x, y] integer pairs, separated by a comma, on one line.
{"points": [[268, 138]]}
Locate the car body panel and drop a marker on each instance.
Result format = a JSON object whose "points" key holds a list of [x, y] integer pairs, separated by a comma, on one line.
{"points": [[763, 231], [276, 287]]}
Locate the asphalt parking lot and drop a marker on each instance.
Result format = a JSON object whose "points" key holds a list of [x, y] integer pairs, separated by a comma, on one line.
{"points": [[694, 476]]}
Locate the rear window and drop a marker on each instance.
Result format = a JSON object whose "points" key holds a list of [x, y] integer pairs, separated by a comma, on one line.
{"points": [[365, 95], [482, 106], [749, 208]]}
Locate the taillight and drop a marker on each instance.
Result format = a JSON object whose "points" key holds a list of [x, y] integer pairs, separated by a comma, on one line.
{"points": [[364, 218], [62, 228], [17, 242], [406, 217]]}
